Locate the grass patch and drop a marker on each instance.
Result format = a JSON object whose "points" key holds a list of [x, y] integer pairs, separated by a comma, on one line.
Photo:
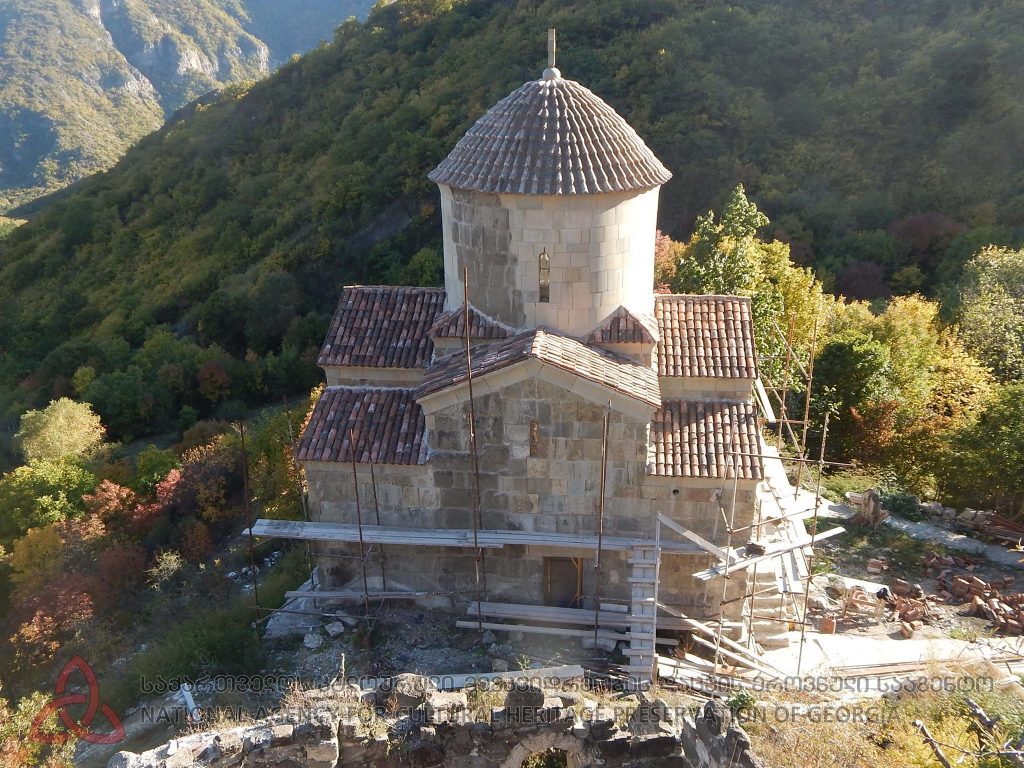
{"points": [[213, 640], [888, 737], [855, 547]]}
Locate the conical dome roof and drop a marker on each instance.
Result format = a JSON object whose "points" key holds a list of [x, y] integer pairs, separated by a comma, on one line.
{"points": [[551, 137]]}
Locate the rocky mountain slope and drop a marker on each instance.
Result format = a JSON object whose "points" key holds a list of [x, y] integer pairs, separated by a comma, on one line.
{"points": [[81, 80]]}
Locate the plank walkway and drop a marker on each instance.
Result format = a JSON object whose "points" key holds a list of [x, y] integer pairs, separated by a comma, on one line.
{"points": [[451, 537]]}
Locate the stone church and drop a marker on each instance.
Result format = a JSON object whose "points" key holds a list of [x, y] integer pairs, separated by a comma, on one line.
{"points": [[598, 407]]}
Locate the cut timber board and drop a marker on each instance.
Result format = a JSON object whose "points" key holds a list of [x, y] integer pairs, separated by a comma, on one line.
{"points": [[352, 595], [451, 537], [602, 634], [708, 632], [700, 541], [611, 620], [745, 562]]}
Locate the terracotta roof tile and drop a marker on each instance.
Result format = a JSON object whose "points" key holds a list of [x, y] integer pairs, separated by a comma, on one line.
{"points": [[705, 336], [452, 324], [591, 363], [382, 327], [388, 427], [699, 439], [624, 327], [551, 137]]}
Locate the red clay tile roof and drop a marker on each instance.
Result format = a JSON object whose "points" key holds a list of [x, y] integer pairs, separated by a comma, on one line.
{"points": [[452, 325], [388, 427], [698, 439], [705, 336], [624, 327], [383, 327], [591, 363]]}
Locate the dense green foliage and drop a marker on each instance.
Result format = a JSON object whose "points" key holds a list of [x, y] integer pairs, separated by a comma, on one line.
{"points": [[63, 429], [992, 310], [878, 138], [902, 390], [80, 82], [989, 452]]}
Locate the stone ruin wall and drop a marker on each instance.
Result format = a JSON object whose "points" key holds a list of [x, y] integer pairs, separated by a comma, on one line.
{"points": [[427, 728]]}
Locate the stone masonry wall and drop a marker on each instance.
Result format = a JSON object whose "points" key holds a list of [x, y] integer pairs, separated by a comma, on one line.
{"points": [[540, 470], [601, 250]]}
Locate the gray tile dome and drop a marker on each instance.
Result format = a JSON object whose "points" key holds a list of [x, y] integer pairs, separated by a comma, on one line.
{"points": [[551, 137]]}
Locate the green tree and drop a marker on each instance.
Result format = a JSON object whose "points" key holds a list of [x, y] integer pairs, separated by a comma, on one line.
{"points": [[152, 466], [63, 429], [988, 453], [722, 256], [725, 256], [850, 372], [43, 491], [992, 310]]}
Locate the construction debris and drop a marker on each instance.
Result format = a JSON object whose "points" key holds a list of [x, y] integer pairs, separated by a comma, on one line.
{"points": [[1005, 611], [990, 524], [868, 508]]}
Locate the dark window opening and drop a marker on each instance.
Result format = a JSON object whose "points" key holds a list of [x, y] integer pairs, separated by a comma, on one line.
{"points": [[544, 280]]}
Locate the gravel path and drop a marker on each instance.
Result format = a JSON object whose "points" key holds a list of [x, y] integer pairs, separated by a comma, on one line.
{"points": [[945, 537]]}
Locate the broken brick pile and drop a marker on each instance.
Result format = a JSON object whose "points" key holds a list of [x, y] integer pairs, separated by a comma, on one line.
{"points": [[1005, 611], [910, 604]]}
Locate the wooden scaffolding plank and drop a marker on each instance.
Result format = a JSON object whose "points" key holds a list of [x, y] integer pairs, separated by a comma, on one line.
{"points": [[745, 562], [354, 595], [604, 634], [700, 541], [449, 537], [549, 613], [707, 631]]}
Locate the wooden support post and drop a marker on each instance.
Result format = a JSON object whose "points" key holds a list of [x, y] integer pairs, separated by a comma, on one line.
{"points": [[359, 520], [814, 535], [600, 521], [480, 574]]}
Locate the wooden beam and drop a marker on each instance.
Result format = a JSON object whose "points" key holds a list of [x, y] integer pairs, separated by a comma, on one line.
{"points": [[700, 541], [705, 630], [346, 595], [743, 659], [744, 562], [604, 634]]}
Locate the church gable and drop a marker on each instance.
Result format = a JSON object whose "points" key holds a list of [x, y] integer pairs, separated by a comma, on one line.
{"points": [[624, 327], [592, 372], [452, 325]]}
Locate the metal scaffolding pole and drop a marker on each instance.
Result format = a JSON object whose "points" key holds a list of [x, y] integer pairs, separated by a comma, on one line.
{"points": [[814, 534]]}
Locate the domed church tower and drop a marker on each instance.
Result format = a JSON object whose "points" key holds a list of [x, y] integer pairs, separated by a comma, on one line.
{"points": [[550, 202]]}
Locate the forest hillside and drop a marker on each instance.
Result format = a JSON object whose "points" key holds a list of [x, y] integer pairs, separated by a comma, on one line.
{"points": [[882, 140]]}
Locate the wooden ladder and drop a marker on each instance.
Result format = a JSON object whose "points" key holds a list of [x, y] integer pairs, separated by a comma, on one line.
{"points": [[643, 581]]}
